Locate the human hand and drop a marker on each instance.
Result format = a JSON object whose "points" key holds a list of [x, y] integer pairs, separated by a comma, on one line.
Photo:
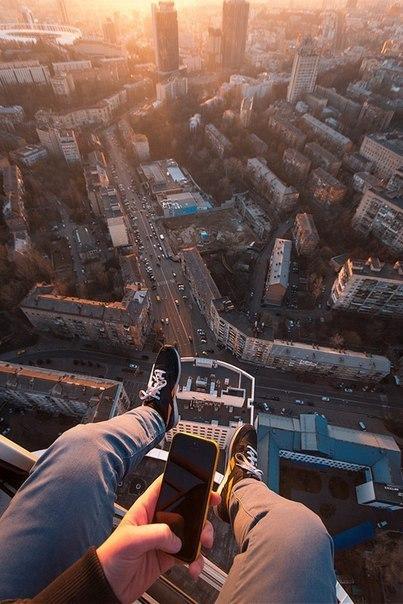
{"points": [[138, 552]]}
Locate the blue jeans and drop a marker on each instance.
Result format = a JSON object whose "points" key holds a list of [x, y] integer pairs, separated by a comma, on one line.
{"points": [[66, 505]]}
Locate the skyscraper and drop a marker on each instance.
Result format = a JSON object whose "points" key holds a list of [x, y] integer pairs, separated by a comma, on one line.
{"points": [[166, 44], [234, 31], [213, 51], [63, 12], [304, 71]]}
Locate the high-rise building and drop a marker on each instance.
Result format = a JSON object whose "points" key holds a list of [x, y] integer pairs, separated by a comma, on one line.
{"points": [[166, 42], [371, 287], [305, 234], [213, 50], [333, 29], [109, 31], [385, 150], [380, 213], [63, 12], [235, 16], [304, 71], [60, 142]]}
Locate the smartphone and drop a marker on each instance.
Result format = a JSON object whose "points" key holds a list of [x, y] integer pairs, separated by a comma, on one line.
{"points": [[185, 490]]}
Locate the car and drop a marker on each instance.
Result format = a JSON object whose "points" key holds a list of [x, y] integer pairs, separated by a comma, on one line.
{"points": [[274, 398], [204, 352], [363, 427], [203, 340], [325, 399], [162, 321], [133, 366], [298, 401], [174, 274], [200, 331], [184, 298], [348, 390], [177, 302], [6, 431], [166, 321], [283, 411]]}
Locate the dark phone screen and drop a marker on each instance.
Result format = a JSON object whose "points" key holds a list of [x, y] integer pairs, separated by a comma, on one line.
{"points": [[185, 490]]}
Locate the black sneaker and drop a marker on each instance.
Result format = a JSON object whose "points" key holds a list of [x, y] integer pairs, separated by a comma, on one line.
{"points": [[162, 385], [241, 463]]}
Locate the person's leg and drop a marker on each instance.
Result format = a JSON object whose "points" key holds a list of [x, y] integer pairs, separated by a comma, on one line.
{"points": [[286, 554], [66, 504]]}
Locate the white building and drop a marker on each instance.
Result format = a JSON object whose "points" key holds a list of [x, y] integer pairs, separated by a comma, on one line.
{"points": [[385, 151], [60, 142], [141, 147], [278, 273], [304, 72], [172, 89], [63, 85], [30, 155], [12, 113], [371, 287], [24, 74], [118, 231], [380, 213]]}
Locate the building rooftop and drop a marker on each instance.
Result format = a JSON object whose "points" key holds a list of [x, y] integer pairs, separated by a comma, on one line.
{"points": [[280, 263], [197, 267], [374, 268], [311, 434], [391, 140], [42, 297], [97, 394], [214, 392], [330, 132], [311, 354]]}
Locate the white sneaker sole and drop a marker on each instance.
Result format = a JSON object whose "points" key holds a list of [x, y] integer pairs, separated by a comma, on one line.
{"points": [[174, 402]]}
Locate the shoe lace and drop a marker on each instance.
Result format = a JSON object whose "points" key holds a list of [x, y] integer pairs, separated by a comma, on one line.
{"points": [[153, 390], [248, 461]]}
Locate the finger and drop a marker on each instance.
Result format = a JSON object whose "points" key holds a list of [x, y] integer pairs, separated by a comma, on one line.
{"points": [[155, 537], [147, 501], [215, 499], [207, 536], [196, 567]]}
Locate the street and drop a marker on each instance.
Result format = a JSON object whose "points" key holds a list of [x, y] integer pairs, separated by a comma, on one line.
{"points": [[174, 313]]}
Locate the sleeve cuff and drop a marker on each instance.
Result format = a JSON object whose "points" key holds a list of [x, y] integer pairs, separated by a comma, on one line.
{"points": [[82, 583]]}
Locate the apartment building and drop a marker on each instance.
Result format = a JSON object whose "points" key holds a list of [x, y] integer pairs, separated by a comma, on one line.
{"points": [[63, 85], [380, 213], [23, 73], [304, 72], [325, 189], [11, 114], [141, 147], [348, 108], [287, 132], [253, 215], [326, 135], [201, 282], [246, 111], [322, 158], [14, 212], [213, 398], [29, 155], [217, 141], [296, 356], [385, 151], [296, 164], [278, 272], [175, 87], [305, 234], [89, 399], [123, 324], [284, 197], [62, 67], [62, 143], [372, 287], [354, 162], [96, 180]]}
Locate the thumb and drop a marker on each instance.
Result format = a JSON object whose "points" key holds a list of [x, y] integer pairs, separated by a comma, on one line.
{"points": [[157, 536]]}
